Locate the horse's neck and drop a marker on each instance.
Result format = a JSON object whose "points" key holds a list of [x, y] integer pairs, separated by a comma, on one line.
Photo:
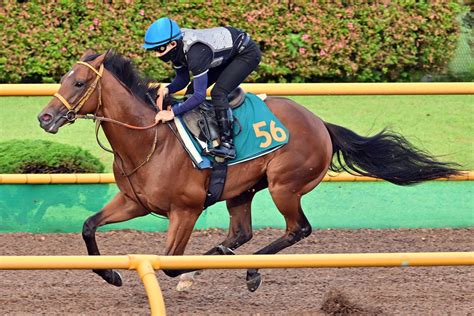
{"points": [[119, 104]]}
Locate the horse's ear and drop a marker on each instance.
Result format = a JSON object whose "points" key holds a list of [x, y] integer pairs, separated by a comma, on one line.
{"points": [[109, 52], [87, 53], [99, 60]]}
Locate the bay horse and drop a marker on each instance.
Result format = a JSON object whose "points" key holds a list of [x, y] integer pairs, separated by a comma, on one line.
{"points": [[155, 175]]}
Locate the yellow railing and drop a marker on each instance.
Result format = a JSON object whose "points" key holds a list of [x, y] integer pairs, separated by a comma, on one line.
{"points": [[145, 265], [83, 178], [291, 88]]}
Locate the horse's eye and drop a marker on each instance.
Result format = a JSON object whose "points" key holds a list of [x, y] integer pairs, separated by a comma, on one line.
{"points": [[79, 84]]}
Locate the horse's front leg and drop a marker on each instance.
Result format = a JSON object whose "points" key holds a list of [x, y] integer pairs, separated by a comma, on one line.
{"points": [[180, 228], [120, 209], [240, 230]]}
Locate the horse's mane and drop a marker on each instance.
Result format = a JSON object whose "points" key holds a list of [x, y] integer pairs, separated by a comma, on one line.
{"points": [[124, 69]]}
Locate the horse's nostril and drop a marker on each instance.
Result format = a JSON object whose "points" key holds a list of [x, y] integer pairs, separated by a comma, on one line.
{"points": [[46, 117]]}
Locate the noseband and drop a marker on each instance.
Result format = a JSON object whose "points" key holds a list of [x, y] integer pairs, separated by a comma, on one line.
{"points": [[71, 114]]}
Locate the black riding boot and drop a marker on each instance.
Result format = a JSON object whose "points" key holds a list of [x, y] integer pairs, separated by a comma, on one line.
{"points": [[226, 148]]}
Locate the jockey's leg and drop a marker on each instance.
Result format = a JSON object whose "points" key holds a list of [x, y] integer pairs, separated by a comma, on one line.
{"points": [[229, 79], [226, 148]]}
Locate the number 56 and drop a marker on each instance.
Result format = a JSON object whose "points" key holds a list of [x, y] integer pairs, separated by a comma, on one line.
{"points": [[276, 133]]}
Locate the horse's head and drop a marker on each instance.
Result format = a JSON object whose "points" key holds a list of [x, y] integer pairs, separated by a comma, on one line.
{"points": [[79, 93]]}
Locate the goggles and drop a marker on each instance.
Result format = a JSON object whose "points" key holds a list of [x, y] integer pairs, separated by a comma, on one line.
{"points": [[160, 49]]}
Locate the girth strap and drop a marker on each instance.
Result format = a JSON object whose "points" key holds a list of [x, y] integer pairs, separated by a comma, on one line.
{"points": [[216, 183]]}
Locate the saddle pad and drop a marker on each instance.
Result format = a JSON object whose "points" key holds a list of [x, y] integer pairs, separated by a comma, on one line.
{"points": [[261, 132]]}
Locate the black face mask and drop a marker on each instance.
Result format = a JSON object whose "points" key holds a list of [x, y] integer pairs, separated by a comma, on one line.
{"points": [[176, 55], [170, 56]]}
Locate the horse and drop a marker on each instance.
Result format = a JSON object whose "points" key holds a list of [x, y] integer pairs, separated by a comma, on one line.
{"points": [[155, 175]]}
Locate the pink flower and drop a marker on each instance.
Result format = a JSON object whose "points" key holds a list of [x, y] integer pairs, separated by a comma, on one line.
{"points": [[339, 45], [250, 19], [305, 37], [302, 50], [91, 28], [96, 21], [350, 26], [322, 52], [141, 12], [64, 49]]}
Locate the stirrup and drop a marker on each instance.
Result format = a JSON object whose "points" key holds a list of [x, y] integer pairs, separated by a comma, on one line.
{"points": [[223, 151]]}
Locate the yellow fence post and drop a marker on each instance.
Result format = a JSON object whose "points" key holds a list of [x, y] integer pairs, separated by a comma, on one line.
{"points": [[152, 287], [145, 266]]}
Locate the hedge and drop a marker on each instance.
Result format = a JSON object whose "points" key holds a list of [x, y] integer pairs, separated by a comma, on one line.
{"points": [[40, 156], [302, 41]]}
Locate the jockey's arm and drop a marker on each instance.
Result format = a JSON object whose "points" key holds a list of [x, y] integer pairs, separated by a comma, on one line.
{"points": [[180, 81], [199, 60], [199, 95]]}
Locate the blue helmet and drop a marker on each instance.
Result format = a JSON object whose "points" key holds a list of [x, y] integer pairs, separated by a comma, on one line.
{"points": [[162, 32]]}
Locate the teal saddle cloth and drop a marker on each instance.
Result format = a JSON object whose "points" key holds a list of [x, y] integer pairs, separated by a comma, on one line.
{"points": [[257, 133]]}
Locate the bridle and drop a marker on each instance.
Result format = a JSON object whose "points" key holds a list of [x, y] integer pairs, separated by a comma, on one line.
{"points": [[72, 115]]}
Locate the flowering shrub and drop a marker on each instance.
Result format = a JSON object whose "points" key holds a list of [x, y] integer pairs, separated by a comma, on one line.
{"points": [[301, 41]]}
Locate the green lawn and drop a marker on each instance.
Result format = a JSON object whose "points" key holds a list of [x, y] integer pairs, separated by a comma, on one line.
{"points": [[442, 125]]}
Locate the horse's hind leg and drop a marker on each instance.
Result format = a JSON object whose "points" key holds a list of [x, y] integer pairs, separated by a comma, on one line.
{"points": [[119, 209], [297, 228], [240, 226]]}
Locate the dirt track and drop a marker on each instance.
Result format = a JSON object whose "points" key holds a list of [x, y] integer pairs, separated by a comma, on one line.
{"points": [[391, 291]]}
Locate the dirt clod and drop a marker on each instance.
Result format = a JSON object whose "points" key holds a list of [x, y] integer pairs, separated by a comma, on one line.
{"points": [[335, 302]]}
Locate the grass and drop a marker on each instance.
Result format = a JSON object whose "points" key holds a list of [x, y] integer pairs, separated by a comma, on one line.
{"points": [[441, 125]]}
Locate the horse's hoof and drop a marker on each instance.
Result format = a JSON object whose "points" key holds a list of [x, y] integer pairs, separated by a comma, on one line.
{"points": [[116, 278], [184, 285], [186, 281], [224, 250], [254, 281], [110, 276]]}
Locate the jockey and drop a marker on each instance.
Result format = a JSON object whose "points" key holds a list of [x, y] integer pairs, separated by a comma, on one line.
{"points": [[222, 55]]}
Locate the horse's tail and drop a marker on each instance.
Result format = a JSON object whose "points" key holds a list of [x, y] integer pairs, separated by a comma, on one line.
{"points": [[386, 155]]}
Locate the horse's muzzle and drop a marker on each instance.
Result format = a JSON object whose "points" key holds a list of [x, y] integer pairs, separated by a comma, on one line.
{"points": [[51, 123]]}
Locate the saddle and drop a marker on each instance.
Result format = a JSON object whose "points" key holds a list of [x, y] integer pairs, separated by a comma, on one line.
{"points": [[202, 122]]}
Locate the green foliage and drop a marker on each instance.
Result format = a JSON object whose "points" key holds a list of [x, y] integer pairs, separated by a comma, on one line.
{"points": [[40, 156], [300, 41]]}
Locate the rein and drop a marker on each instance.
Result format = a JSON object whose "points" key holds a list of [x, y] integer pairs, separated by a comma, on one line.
{"points": [[106, 119]]}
